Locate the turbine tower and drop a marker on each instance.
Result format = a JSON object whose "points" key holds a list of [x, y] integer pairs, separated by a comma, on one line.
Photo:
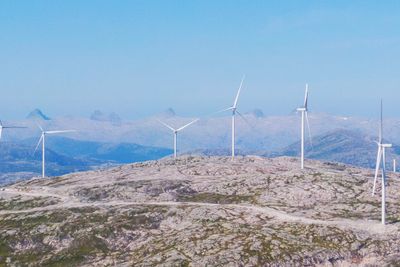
{"points": [[233, 108], [304, 118], [381, 162], [2, 127], [175, 132], [42, 139]]}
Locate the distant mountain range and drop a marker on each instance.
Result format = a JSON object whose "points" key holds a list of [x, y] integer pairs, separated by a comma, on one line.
{"points": [[256, 132], [105, 138]]}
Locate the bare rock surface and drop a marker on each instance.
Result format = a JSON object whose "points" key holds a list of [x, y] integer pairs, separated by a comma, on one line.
{"points": [[202, 211]]}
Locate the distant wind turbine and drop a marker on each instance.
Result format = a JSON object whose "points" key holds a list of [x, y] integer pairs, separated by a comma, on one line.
{"points": [[381, 161], [304, 115], [2, 127], [42, 139], [175, 132], [234, 111]]}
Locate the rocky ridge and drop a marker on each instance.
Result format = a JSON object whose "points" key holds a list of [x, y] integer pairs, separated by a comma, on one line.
{"points": [[202, 211]]}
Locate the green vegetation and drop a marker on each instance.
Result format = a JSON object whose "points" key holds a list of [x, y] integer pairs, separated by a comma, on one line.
{"points": [[216, 198], [17, 203], [83, 230]]}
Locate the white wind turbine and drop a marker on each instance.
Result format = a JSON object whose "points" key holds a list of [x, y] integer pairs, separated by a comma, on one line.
{"points": [[381, 161], [304, 117], [42, 139], [2, 127], [234, 111], [175, 131]]}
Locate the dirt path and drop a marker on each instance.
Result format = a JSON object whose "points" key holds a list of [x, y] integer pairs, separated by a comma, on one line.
{"points": [[71, 202]]}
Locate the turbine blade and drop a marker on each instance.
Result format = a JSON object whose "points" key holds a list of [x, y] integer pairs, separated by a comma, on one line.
{"points": [[220, 111], [383, 168], [306, 98], [227, 109], [40, 127], [37, 146], [1, 131], [381, 124], [166, 125], [244, 119], [186, 125], [61, 131], [238, 93], [378, 163], [309, 130], [14, 127]]}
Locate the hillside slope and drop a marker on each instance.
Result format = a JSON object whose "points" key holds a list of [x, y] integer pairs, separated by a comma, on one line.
{"points": [[341, 145], [18, 161], [201, 211], [65, 155]]}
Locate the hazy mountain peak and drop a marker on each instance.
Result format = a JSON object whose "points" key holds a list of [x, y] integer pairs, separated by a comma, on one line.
{"points": [[258, 113], [37, 114], [98, 115], [169, 112]]}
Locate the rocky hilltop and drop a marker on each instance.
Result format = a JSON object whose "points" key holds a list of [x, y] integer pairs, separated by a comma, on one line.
{"points": [[201, 211]]}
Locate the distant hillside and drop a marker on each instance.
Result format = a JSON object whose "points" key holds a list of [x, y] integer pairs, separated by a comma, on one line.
{"points": [[19, 161], [64, 155], [345, 146], [107, 152]]}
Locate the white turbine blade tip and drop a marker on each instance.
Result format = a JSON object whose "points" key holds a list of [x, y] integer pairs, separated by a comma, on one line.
{"points": [[40, 127], [166, 125], [238, 93], [186, 125], [37, 146], [60, 131], [306, 97], [223, 110]]}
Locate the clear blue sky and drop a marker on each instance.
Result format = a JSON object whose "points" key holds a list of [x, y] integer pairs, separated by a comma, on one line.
{"points": [[139, 57]]}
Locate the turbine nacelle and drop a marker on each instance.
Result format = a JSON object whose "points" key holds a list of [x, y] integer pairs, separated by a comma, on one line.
{"points": [[175, 131], [178, 129]]}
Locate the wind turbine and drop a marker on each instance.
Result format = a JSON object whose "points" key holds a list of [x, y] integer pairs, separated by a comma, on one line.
{"points": [[381, 161], [2, 127], [233, 108], [175, 131], [42, 139], [304, 117]]}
